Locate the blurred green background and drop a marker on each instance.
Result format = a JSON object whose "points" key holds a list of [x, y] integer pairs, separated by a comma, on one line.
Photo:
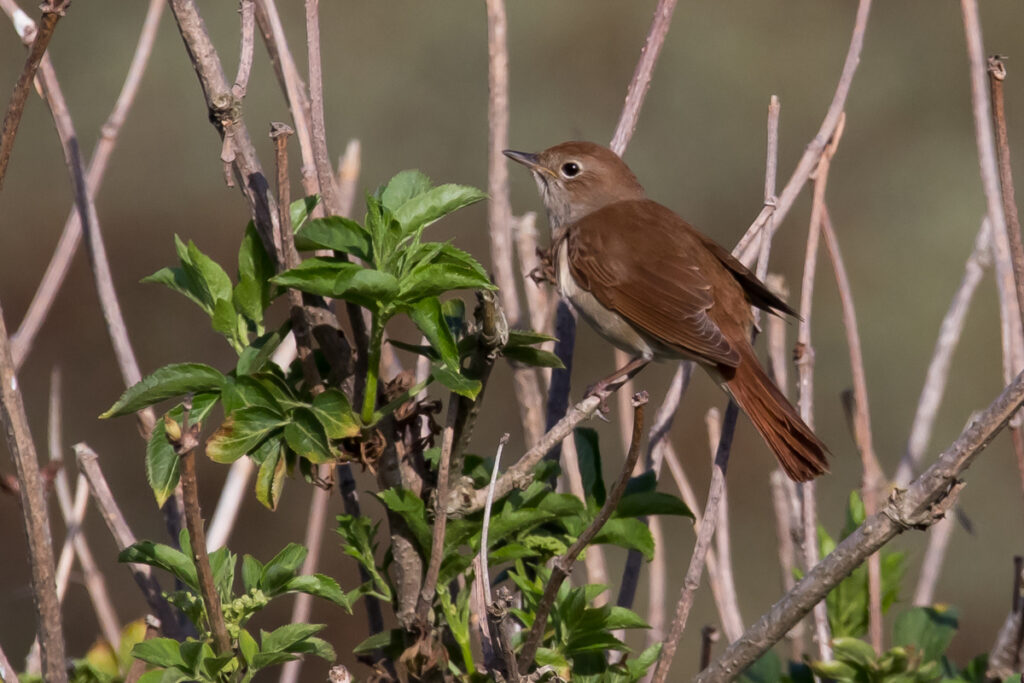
{"points": [[409, 79]]}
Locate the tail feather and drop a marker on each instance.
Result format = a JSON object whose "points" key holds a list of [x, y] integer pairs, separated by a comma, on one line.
{"points": [[800, 453]]}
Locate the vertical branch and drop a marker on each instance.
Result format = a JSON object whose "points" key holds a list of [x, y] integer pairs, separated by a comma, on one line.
{"points": [[562, 566], [248, 10], [321, 158], [732, 621], [53, 10], [33, 507], [872, 477], [700, 550]]}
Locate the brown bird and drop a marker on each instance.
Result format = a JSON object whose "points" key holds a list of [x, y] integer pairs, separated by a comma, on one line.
{"points": [[655, 287]]}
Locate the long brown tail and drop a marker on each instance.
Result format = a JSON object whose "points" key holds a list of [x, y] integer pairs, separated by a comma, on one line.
{"points": [[801, 454]]}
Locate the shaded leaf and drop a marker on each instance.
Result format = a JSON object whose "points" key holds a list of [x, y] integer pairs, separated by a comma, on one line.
{"points": [[334, 412], [653, 503], [258, 352], [300, 209], [241, 432], [429, 318], [410, 507], [534, 357], [167, 382], [460, 384], [162, 463], [270, 476], [928, 629], [305, 435]]}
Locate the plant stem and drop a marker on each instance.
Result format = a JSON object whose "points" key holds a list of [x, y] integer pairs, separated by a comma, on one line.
{"points": [[372, 367]]}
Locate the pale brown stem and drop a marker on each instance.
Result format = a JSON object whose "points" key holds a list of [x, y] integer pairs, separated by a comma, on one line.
{"points": [[747, 249], [938, 368], [67, 245], [53, 10], [700, 550], [88, 464], [873, 478], [95, 584], [931, 564], [318, 129], [787, 520], [49, 629], [429, 588], [641, 81], [732, 621], [348, 176], [562, 566], [923, 503], [248, 11]]}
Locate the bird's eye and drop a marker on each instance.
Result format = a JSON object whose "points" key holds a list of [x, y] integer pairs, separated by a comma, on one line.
{"points": [[570, 169]]}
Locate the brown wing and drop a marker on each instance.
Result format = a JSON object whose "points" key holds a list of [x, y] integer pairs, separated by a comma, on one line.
{"points": [[759, 294], [611, 253]]}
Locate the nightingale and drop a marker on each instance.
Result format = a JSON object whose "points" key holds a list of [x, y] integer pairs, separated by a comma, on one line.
{"points": [[655, 287]]}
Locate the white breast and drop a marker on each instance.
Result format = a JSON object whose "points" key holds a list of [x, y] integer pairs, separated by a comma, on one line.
{"points": [[608, 324]]}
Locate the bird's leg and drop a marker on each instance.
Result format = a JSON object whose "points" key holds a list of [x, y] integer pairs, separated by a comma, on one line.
{"points": [[626, 372]]}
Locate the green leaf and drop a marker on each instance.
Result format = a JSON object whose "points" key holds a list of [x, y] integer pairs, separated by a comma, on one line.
{"points": [[854, 651], [213, 276], [334, 412], [631, 534], [255, 268], [429, 318], [390, 641], [439, 278], [301, 208], [341, 280], [305, 435], [225, 319], [222, 566], [283, 638], [176, 280], [270, 476], [929, 630], [403, 187], [242, 431], [460, 384], [427, 207], [282, 568], [321, 586], [164, 557], [252, 572], [167, 382], [638, 666], [162, 463], [337, 233], [527, 338], [589, 454], [767, 669], [258, 352], [247, 646], [620, 617], [410, 507], [164, 652], [538, 358], [246, 391], [654, 503], [835, 670]]}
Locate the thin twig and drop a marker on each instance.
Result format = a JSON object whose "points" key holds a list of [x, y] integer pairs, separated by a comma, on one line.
{"points": [[708, 637], [700, 549], [519, 475], [931, 564], [786, 522], [938, 368], [67, 245], [426, 598], [318, 130], [33, 507], [997, 73], [641, 81], [314, 541], [482, 564], [1005, 655], [922, 504], [88, 464], [248, 11], [732, 621], [53, 10], [747, 248], [562, 567], [872, 477], [348, 176]]}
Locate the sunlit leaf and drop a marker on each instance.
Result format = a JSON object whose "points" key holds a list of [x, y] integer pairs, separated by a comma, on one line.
{"points": [[305, 435], [429, 206], [167, 382]]}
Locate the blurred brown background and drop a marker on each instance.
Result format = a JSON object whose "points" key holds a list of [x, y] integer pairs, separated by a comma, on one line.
{"points": [[409, 80]]}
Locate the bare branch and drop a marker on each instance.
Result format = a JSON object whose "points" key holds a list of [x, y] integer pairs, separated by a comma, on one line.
{"points": [[732, 621], [318, 129], [929, 497], [248, 11]]}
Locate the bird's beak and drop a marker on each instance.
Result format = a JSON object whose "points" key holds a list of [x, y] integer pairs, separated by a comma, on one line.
{"points": [[530, 161]]}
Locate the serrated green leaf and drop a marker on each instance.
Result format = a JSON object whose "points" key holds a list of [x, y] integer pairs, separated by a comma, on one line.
{"points": [[176, 280], [216, 280], [247, 391], [461, 385], [427, 207], [252, 572], [162, 463], [589, 454], [631, 534], [402, 187], [163, 652], [429, 318], [242, 431], [653, 503], [167, 382], [410, 508], [528, 355], [333, 410], [255, 268], [164, 557], [337, 233], [270, 476], [282, 568], [621, 617], [300, 209], [320, 585], [928, 629], [341, 280], [305, 435], [440, 278], [284, 637]]}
